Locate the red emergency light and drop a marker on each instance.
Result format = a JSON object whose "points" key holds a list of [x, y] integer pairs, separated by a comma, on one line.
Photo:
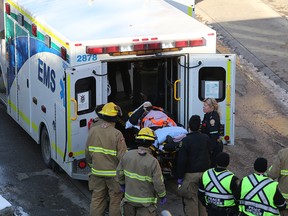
{"points": [[154, 46], [180, 44], [63, 53], [94, 50], [146, 46], [34, 29], [112, 49], [197, 42], [7, 8]]}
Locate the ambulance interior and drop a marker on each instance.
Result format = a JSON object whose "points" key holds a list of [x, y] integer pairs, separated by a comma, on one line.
{"points": [[133, 82]]}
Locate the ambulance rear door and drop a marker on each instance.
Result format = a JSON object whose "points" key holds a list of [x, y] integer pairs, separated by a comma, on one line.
{"points": [[209, 76], [84, 86]]}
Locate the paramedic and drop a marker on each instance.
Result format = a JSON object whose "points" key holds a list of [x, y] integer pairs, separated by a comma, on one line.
{"points": [[211, 126], [193, 160], [140, 177], [279, 171], [151, 116], [259, 195], [216, 188], [105, 147]]}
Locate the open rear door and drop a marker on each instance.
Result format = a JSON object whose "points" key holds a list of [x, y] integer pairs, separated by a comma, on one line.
{"points": [[85, 86], [209, 75]]}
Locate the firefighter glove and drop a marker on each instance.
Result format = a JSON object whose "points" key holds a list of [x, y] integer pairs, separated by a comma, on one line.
{"points": [[122, 188], [180, 181], [163, 200]]}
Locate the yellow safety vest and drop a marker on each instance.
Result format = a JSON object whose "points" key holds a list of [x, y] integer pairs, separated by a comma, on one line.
{"points": [[217, 188], [257, 193]]}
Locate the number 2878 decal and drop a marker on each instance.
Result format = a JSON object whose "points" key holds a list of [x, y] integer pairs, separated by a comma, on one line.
{"points": [[86, 58]]}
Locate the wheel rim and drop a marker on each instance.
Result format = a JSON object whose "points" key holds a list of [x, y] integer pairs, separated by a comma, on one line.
{"points": [[45, 146]]}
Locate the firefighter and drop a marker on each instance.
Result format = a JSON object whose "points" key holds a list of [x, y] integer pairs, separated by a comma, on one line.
{"points": [[259, 195], [193, 160], [211, 126], [104, 148], [279, 171], [216, 188], [140, 177]]}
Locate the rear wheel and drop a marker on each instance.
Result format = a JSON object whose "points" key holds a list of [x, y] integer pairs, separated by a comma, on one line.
{"points": [[46, 147]]}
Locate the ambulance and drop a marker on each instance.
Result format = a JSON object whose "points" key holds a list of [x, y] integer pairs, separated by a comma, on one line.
{"points": [[60, 59]]}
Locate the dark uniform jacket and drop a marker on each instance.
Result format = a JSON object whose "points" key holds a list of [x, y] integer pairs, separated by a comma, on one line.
{"points": [[211, 125], [194, 154]]}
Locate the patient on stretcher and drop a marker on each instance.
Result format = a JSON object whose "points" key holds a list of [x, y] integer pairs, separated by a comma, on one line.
{"points": [[168, 133]]}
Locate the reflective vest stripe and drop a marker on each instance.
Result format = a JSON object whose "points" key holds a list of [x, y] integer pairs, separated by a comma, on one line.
{"points": [[137, 176], [140, 199], [284, 172], [259, 206], [219, 196], [102, 150], [261, 193], [162, 194], [285, 196], [258, 188], [107, 173], [215, 181], [213, 132]]}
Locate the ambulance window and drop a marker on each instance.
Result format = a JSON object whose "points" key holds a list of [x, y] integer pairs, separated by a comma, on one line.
{"points": [[212, 83], [85, 95]]}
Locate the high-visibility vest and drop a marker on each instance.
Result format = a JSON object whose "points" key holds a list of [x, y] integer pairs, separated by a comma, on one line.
{"points": [[217, 188], [157, 118], [257, 193]]}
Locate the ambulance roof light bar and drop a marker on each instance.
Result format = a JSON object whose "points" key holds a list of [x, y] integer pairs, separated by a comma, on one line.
{"points": [[145, 46]]}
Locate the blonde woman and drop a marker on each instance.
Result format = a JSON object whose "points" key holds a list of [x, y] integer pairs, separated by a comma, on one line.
{"points": [[211, 126]]}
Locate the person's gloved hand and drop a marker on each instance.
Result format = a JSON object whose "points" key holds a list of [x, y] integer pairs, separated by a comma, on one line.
{"points": [[163, 200], [180, 181], [122, 188]]}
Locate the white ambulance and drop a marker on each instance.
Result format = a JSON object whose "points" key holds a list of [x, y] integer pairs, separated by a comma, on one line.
{"points": [[59, 59]]}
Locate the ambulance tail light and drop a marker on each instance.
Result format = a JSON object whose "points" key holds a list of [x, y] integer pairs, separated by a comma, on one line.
{"points": [[226, 138], [64, 53], [34, 29], [82, 164], [7, 8]]}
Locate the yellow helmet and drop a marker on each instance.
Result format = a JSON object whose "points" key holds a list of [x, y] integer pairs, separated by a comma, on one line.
{"points": [[110, 109], [146, 134]]}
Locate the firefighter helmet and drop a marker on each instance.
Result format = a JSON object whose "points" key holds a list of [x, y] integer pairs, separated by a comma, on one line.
{"points": [[146, 134], [110, 109]]}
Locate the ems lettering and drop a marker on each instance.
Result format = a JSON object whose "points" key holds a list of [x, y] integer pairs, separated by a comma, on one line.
{"points": [[46, 75]]}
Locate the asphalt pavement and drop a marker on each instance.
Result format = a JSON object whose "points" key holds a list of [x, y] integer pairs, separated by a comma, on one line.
{"points": [[253, 30]]}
